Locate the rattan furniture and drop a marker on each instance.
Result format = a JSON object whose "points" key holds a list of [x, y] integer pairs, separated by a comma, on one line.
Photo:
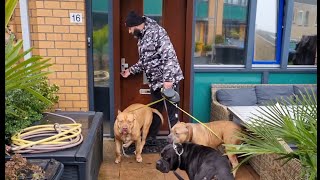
{"points": [[265, 165]]}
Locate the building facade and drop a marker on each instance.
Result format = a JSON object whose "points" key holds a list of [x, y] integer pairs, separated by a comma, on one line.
{"points": [[217, 41]]}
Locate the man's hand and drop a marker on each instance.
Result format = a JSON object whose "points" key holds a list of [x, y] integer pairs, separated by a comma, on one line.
{"points": [[125, 73], [167, 85]]}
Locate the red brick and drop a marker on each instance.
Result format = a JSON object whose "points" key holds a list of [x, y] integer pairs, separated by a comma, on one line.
{"points": [[54, 52], [70, 68], [60, 13], [63, 60], [70, 52], [44, 12], [53, 36], [61, 29], [72, 97], [62, 44], [78, 60], [53, 21], [70, 37], [72, 82], [82, 90], [65, 104], [63, 75], [79, 75], [68, 5], [51, 4]]}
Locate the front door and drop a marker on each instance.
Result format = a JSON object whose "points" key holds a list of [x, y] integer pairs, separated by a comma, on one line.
{"points": [[172, 16]]}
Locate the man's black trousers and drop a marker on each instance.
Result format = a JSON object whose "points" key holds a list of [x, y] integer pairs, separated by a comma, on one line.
{"points": [[156, 122]]}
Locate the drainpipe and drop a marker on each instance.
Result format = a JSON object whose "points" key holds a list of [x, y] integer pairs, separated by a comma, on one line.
{"points": [[25, 27]]}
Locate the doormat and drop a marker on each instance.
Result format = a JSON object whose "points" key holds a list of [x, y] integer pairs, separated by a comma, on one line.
{"points": [[160, 144]]}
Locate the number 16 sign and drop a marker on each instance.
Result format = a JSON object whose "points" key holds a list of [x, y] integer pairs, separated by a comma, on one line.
{"points": [[76, 17]]}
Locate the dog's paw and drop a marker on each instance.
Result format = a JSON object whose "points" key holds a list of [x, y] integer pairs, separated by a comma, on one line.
{"points": [[139, 159], [118, 160]]}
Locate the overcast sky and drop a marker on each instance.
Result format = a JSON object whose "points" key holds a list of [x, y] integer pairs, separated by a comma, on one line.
{"points": [[266, 15]]}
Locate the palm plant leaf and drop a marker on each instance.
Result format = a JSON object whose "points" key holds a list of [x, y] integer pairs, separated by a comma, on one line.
{"points": [[10, 6], [296, 124]]}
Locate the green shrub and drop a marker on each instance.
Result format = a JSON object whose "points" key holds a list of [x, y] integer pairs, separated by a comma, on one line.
{"points": [[219, 39], [207, 48], [23, 108], [235, 34]]}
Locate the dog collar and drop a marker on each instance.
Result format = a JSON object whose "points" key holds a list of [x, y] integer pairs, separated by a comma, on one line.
{"points": [[178, 153], [179, 157]]}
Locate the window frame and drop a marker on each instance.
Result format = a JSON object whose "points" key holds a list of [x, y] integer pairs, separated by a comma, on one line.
{"points": [[288, 11], [280, 12]]}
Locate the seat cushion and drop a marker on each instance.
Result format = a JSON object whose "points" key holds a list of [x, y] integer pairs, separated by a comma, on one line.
{"points": [[266, 94], [237, 97]]}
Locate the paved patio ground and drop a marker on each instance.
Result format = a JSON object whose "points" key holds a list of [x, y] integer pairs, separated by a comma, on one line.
{"points": [[129, 169]]}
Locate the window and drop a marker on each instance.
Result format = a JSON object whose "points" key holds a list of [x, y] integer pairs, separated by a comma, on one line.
{"points": [[220, 32], [300, 18], [303, 39], [267, 43], [294, 15], [153, 9]]}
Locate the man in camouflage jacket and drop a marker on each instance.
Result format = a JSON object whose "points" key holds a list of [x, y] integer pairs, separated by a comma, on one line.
{"points": [[158, 59]]}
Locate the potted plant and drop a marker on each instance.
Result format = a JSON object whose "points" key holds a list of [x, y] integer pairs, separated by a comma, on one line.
{"points": [[207, 49], [219, 39], [198, 48], [293, 121], [19, 168], [23, 78]]}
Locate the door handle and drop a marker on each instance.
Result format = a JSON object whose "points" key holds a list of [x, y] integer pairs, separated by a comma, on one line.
{"points": [[124, 65]]}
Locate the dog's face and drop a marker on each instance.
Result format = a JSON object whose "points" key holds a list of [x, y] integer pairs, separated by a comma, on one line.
{"points": [[168, 159], [179, 133], [125, 122]]}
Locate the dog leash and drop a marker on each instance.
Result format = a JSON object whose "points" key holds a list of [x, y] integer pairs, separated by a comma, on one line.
{"points": [[194, 119], [147, 105], [179, 157]]}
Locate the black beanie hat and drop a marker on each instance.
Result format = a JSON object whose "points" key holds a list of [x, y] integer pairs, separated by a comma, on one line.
{"points": [[133, 19]]}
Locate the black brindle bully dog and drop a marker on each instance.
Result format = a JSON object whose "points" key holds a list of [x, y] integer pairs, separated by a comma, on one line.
{"points": [[200, 162]]}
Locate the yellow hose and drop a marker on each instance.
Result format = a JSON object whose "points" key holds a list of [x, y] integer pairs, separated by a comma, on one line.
{"points": [[56, 137]]}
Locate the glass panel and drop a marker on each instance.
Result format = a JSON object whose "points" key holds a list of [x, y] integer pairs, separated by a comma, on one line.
{"points": [[153, 9], [266, 30], [220, 32], [100, 41], [303, 38]]}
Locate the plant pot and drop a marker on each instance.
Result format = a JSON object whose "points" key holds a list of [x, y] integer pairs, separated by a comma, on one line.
{"points": [[83, 161], [270, 168]]}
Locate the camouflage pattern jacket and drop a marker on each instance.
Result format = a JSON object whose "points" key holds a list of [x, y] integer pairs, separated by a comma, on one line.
{"points": [[157, 56]]}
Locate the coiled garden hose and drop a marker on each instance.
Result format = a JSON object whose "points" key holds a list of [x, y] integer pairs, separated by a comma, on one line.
{"points": [[53, 137]]}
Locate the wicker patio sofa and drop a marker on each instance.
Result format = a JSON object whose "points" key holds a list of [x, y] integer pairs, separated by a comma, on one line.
{"points": [[220, 111], [265, 165]]}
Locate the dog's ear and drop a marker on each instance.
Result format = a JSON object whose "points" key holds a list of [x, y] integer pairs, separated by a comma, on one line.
{"points": [[190, 132], [119, 111]]}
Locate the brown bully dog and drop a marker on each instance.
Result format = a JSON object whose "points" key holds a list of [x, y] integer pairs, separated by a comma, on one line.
{"points": [[197, 133], [128, 126]]}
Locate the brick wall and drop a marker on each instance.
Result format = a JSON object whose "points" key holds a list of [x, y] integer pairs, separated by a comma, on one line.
{"points": [[54, 37]]}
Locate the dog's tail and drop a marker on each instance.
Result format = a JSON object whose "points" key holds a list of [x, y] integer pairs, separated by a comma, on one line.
{"points": [[158, 113]]}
